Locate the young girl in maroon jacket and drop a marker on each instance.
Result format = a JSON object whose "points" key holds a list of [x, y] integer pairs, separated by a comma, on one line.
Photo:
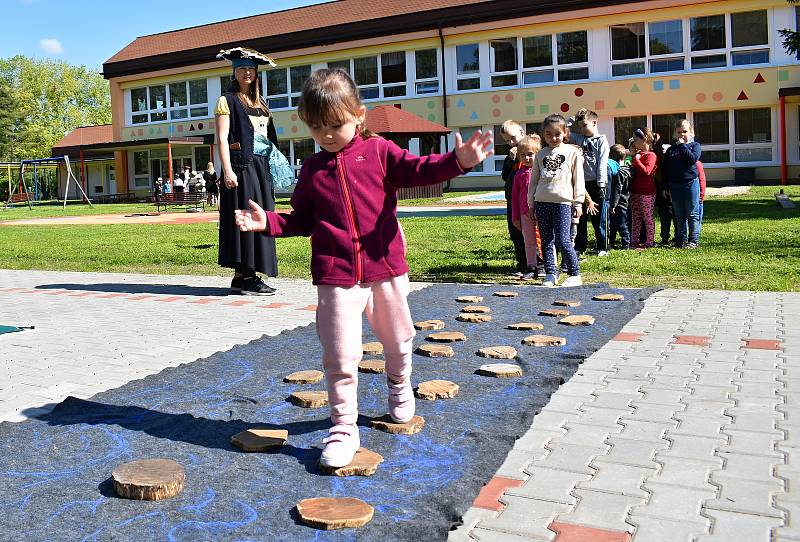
{"points": [[346, 201], [643, 188]]}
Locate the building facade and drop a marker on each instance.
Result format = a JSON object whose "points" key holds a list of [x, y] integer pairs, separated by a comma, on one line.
{"points": [[472, 65]]}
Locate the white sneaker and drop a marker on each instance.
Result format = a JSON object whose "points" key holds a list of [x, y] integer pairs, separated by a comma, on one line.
{"points": [[341, 445], [571, 281], [549, 281], [602, 253], [530, 275]]}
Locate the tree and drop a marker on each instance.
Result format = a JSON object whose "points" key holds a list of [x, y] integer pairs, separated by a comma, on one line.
{"points": [[8, 118], [791, 38], [48, 99]]}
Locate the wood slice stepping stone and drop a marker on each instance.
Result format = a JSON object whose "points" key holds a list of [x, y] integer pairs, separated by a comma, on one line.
{"points": [[148, 479], [526, 326], [260, 440], [429, 325], [446, 337], [500, 370], [498, 352], [309, 399], [567, 303], [376, 366], [544, 340], [331, 513], [609, 297], [554, 312], [435, 351], [473, 318], [304, 377], [436, 389], [387, 425], [373, 349], [469, 299], [577, 320], [506, 294], [364, 463], [477, 309]]}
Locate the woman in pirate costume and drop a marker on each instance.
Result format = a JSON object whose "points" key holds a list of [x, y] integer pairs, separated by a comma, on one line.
{"points": [[252, 167]]}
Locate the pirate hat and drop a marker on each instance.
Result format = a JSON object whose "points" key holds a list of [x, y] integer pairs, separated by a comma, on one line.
{"points": [[242, 56]]}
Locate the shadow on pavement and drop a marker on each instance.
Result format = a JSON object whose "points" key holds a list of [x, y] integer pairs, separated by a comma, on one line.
{"points": [[131, 288]]}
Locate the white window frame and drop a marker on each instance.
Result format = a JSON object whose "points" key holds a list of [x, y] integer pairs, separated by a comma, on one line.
{"points": [[145, 176], [408, 84], [648, 57], [167, 109], [492, 74], [290, 94], [411, 63], [479, 74], [729, 51]]}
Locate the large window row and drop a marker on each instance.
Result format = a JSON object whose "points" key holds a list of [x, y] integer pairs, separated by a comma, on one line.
{"points": [[711, 41], [174, 101], [727, 136]]}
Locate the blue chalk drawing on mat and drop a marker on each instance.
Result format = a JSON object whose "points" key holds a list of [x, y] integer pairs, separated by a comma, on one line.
{"points": [[674, 84], [658, 85]]}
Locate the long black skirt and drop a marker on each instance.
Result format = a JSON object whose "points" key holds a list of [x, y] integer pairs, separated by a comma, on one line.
{"points": [[247, 250]]}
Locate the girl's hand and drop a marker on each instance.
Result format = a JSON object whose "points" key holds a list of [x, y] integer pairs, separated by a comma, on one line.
{"points": [[577, 211], [592, 208], [230, 179], [255, 220], [532, 214], [475, 150], [517, 224]]}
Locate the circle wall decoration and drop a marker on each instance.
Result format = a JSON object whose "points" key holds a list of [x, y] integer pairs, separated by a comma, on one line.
{"points": [[509, 98], [701, 97], [496, 112], [579, 92], [564, 107], [496, 99], [717, 96]]}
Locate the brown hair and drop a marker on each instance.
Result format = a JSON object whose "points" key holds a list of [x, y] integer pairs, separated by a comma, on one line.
{"points": [[555, 119], [254, 92], [618, 152], [529, 143], [645, 134], [511, 125], [329, 98], [586, 114]]}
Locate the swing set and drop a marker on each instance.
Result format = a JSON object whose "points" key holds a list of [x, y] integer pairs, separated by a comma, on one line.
{"points": [[18, 191]]}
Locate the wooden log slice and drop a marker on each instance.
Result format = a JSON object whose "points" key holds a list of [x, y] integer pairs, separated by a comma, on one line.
{"points": [[567, 303], [148, 479], [609, 297], [435, 351], [260, 440], [498, 352], [544, 340], [577, 320], [385, 424], [526, 326], [304, 377], [429, 325], [309, 399], [364, 463], [473, 318], [373, 349], [469, 299], [376, 366], [554, 312], [500, 370], [480, 309], [446, 337], [506, 294], [436, 389], [331, 513]]}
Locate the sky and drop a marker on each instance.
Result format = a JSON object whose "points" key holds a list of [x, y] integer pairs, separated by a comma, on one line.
{"points": [[89, 32]]}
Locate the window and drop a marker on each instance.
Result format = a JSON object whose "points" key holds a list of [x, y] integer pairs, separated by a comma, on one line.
{"points": [[468, 67], [202, 156], [175, 101], [225, 82], [426, 71], [573, 48], [708, 36], [466, 133], [749, 31], [656, 47], [296, 151], [141, 169], [504, 62], [532, 128], [712, 131], [753, 135], [537, 60], [501, 148], [628, 43], [340, 65], [393, 74], [282, 85], [625, 126]]}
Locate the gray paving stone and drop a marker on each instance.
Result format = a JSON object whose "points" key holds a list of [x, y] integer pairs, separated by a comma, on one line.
{"points": [[612, 400], [661, 530], [601, 510], [659, 396], [744, 496], [673, 502], [759, 422], [606, 417], [730, 526], [682, 472], [572, 457], [552, 420], [654, 413], [760, 468], [621, 385], [658, 380], [485, 535], [693, 447], [757, 404], [516, 462], [701, 407], [615, 478], [549, 485], [711, 393], [754, 443], [524, 517], [633, 452], [642, 430], [586, 434], [534, 440]]}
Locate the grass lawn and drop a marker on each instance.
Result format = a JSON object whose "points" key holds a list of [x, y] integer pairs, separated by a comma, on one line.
{"points": [[747, 242]]}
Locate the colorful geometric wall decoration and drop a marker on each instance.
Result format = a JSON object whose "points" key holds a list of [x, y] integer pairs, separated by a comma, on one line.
{"points": [[783, 75], [658, 85], [509, 97], [564, 107], [579, 92], [474, 116], [717, 96], [700, 97], [431, 104], [460, 103], [599, 105], [742, 96], [432, 117], [620, 104], [544, 109], [530, 96], [280, 130], [759, 79], [496, 112], [530, 110], [674, 84], [635, 88]]}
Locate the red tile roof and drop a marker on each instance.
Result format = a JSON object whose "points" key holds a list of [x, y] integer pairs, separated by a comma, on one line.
{"points": [[387, 119], [87, 135]]}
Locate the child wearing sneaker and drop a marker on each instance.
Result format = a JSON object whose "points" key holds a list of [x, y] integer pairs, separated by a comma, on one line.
{"points": [[556, 195], [527, 148], [346, 200]]}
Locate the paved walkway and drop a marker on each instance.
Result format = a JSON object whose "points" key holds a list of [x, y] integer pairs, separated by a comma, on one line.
{"points": [[685, 427]]}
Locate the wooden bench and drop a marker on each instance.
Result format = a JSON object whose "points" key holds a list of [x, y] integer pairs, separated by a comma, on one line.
{"points": [[182, 199], [21, 197]]}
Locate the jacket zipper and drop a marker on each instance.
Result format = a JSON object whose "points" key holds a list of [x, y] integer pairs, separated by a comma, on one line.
{"points": [[351, 215]]}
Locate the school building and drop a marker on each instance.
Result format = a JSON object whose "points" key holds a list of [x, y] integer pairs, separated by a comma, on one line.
{"points": [[471, 64]]}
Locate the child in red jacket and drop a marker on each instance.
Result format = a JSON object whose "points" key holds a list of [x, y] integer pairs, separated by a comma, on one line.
{"points": [[643, 188], [346, 199]]}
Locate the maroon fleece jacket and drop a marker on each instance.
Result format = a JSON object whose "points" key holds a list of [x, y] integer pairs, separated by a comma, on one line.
{"points": [[347, 203]]}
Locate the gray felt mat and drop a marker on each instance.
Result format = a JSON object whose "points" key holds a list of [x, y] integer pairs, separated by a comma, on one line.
{"points": [[54, 471]]}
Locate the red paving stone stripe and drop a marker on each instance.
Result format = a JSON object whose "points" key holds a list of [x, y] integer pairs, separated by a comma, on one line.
{"points": [[566, 532], [308, 308], [274, 306], [109, 296], [762, 344], [82, 294], [34, 291], [239, 303], [13, 289], [170, 299], [489, 497], [204, 301], [696, 340], [628, 337], [140, 297], [56, 292]]}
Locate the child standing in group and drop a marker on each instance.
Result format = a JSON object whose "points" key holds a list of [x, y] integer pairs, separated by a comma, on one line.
{"points": [[619, 176], [346, 200], [643, 189], [512, 132], [527, 148], [586, 135], [556, 195], [680, 172]]}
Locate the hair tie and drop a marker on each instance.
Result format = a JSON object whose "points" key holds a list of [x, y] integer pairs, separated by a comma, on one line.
{"points": [[639, 133]]}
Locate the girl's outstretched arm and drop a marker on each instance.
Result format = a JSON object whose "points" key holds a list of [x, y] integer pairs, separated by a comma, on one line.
{"points": [[253, 220], [475, 150]]}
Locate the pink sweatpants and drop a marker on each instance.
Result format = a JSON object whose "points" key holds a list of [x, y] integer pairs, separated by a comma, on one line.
{"points": [[529, 235], [642, 212], [339, 325]]}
